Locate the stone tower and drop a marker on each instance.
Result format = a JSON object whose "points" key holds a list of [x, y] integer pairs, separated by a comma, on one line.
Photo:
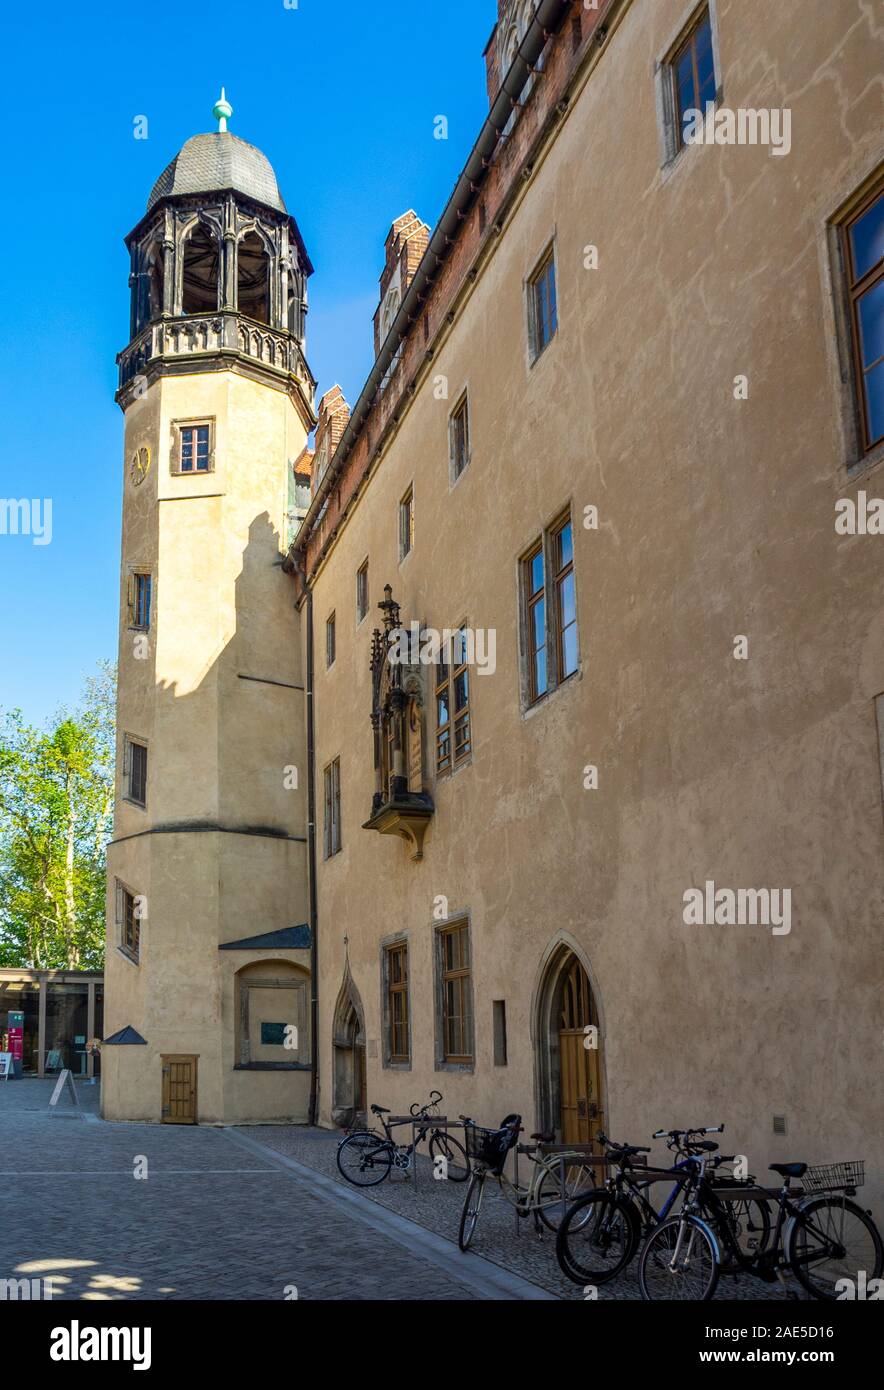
{"points": [[208, 954]]}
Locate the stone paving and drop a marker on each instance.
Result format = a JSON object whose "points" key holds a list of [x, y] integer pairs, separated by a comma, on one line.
{"points": [[437, 1205], [217, 1217]]}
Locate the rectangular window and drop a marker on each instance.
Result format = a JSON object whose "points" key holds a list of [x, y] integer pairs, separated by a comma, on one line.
{"points": [[459, 438], [332, 840], [549, 611], [499, 1025], [135, 771], [693, 74], [361, 592], [330, 648], [542, 310], [535, 594], [194, 449], [396, 972], [406, 524], [128, 922], [140, 601], [457, 999], [453, 719], [864, 258], [566, 607]]}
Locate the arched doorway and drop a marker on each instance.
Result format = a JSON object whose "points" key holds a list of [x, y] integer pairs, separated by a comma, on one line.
{"points": [[349, 1084], [570, 1070]]}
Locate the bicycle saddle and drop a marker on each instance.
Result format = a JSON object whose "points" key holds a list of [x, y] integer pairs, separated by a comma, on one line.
{"points": [[546, 1136], [789, 1170], [380, 1109]]}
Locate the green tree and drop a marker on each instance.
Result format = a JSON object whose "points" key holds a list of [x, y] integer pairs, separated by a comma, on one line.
{"points": [[56, 802]]}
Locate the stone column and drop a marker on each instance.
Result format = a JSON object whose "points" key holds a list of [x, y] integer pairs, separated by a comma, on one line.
{"points": [[43, 987]]}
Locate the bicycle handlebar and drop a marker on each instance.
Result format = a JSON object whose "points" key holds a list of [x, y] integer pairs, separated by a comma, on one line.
{"points": [[420, 1111]]}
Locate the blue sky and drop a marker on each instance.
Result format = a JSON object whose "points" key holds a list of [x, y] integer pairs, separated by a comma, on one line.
{"points": [[341, 97]]}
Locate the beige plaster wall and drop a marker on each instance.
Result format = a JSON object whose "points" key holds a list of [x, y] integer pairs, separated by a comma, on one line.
{"points": [[717, 519]]}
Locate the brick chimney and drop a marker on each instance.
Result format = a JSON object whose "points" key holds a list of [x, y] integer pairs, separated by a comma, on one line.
{"points": [[406, 242], [333, 413]]}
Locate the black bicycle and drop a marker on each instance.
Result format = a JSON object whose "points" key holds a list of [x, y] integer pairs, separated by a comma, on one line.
{"points": [[821, 1236], [366, 1157], [603, 1229]]}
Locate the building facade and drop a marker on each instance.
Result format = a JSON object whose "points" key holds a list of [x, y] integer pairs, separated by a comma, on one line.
{"points": [[601, 842], [607, 435]]}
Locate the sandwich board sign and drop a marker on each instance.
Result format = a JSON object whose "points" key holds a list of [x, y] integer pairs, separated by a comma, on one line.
{"points": [[6, 1065], [65, 1082]]}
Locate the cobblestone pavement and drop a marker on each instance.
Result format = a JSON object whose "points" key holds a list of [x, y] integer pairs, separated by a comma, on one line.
{"points": [[437, 1205], [217, 1217]]}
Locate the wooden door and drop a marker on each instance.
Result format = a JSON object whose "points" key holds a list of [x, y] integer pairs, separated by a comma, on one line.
{"points": [[579, 1070], [179, 1090]]}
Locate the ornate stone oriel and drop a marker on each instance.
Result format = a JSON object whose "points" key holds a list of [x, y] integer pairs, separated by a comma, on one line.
{"points": [[400, 805]]}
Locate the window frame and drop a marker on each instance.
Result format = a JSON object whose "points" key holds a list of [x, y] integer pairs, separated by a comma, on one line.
{"points": [[549, 593], [362, 612], [546, 262], [134, 576], [856, 288], [331, 833], [406, 523], [124, 897], [331, 640], [689, 42], [129, 744], [445, 685], [449, 1059], [461, 411], [396, 948], [177, 449], [671, 134]]}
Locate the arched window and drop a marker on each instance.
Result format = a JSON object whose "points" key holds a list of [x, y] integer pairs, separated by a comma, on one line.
{"points": [[199, 293], [151, 285], [388, 318], [253, 278]]}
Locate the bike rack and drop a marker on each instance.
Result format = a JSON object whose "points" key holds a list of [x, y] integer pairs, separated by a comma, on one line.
{"points": [[417, 1123]]}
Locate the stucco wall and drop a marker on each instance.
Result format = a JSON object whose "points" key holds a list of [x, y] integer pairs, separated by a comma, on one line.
{"points": [[716, 519]]}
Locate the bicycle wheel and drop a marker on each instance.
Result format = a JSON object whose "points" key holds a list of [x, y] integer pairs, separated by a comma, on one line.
{"points": [[679, 1262], [472, 1205], [750, 1224], [597, 1238], [365, 1159], [832, 1240], [457, 1164], [579, 1179]]}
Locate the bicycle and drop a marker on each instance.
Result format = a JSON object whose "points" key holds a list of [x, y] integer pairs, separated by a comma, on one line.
{"points": [[366, 1157], [543, 1195], [822, 1238], [603, 1229]]}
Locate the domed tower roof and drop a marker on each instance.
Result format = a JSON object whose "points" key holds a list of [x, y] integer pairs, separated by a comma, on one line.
{"points": [[219, 160]]}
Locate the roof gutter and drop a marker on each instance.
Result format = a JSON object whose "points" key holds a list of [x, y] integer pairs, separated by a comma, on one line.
{"points": [[547, 20]]}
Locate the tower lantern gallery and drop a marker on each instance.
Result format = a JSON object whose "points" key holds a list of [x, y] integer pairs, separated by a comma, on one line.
{"points": [[208, 952]]}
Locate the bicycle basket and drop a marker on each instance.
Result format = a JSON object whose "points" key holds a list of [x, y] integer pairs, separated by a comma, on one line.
{"points": [[490, 1146], [825, 1176]]}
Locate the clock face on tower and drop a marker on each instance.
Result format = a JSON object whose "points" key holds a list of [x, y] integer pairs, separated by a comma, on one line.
{"points": [[140, 465]]}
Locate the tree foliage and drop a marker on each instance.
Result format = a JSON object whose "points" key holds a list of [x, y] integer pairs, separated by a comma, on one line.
{"points": [[56, 804]]}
